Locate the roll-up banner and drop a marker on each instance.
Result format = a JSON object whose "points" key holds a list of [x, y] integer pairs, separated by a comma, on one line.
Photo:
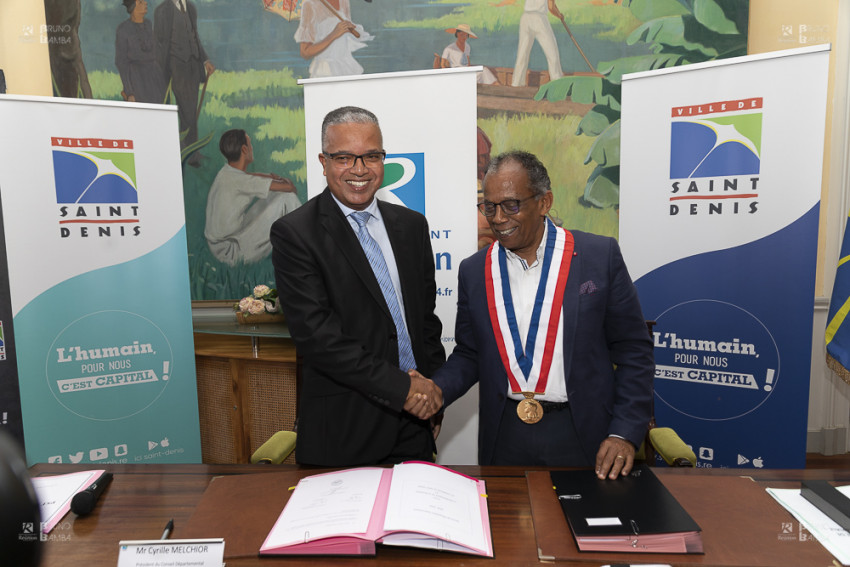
{"points": [[10, 398], [96, 252], [720, 185], [428, 122]]}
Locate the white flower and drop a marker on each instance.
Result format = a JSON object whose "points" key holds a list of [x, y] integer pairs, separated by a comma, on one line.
{"points": [[245, 303], [262, 300], [256, 307]]}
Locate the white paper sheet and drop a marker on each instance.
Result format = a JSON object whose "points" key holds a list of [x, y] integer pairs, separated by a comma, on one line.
{"points": [[56, 492], [430, 500], [832, 536], [328, 504]]}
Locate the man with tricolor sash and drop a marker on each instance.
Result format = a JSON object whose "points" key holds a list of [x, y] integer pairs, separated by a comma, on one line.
{"points": [[549, 324]]}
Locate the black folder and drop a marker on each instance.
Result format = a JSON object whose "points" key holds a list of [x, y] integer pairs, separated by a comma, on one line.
{"points": [[635, 513], [829, 500]]}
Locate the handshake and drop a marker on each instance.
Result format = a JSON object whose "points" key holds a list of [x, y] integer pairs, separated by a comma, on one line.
{"points": [[424, 398]]}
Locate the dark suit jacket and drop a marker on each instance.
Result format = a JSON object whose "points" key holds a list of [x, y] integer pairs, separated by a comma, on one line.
{"points": [[181, 49], [352, 390], [603, 328]]}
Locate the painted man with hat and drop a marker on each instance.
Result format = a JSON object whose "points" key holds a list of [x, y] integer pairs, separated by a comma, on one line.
{"points": [[456, 54]]}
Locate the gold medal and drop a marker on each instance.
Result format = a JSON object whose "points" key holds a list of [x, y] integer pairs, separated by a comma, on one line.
{"points": [[529, 410]]}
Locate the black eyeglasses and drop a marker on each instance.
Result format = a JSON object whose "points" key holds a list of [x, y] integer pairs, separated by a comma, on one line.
{"points": [[509, 206], [346, 160]]}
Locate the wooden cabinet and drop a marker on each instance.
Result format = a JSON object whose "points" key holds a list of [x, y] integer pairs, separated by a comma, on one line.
{"points": [[246, 392]]}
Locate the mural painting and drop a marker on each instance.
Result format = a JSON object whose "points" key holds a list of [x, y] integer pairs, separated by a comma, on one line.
{"points": [[551, 85]]}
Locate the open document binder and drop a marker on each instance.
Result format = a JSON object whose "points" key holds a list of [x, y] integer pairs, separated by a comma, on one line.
{"points": [[635, 513], [412, 504]]}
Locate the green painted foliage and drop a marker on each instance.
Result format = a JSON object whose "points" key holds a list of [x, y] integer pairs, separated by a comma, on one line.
{"points": [[603, 187], [678, 32], [646, 10], [597, 120], [712, 15], [581, 89], [606, 149], [668, 32], [614, 70]]}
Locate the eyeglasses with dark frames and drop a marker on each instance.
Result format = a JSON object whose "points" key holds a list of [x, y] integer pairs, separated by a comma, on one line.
{"points": [[346, 160], [509, 206]]}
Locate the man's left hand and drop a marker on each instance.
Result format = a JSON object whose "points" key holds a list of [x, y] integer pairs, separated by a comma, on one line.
{"points": [[615, 458]]}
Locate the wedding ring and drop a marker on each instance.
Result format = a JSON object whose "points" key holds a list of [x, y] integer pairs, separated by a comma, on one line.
{"points": [[620, 457]]}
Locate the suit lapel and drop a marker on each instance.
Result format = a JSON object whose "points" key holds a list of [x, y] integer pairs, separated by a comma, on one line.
{"points": [[570, 314], [340, 231]]}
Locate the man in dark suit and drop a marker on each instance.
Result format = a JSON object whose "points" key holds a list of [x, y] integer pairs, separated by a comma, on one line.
{"points": [[183, 61], [359, 329], [550, 326]]}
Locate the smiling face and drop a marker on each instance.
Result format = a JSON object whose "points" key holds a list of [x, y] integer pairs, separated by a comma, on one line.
{"points": [[520, 233], [354, 186]]}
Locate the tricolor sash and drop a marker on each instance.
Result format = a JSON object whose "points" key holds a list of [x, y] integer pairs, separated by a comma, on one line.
{"points": [[528, 368]]}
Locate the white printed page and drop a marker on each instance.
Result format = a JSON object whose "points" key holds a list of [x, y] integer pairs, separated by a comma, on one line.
{"points": [[431, 500], [325, 505], [56, 492]]}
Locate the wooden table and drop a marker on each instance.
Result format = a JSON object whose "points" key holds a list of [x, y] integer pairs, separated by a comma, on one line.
{"points": [[142, 498]]}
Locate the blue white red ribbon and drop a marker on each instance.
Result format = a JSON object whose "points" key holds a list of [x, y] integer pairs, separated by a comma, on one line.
{"points": [[528, 367]]}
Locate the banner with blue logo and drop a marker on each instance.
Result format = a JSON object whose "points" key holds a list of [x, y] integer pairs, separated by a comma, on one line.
{"points": [[720, 187], [96, 246], [428, 122]]}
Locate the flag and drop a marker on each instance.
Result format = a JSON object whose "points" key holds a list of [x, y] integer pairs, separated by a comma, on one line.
{"points": [[838, 327], [288, 9]]}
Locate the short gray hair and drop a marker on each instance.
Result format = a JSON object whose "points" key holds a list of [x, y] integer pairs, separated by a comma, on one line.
{"points": [[538, 177], [346, 115]]}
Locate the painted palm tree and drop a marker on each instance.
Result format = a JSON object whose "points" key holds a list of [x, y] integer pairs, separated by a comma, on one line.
{"points": [[679, 32]]}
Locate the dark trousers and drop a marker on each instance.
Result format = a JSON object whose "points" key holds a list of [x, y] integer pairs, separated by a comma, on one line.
{"points": [[184, 84], [552, 441], [415, 442]]}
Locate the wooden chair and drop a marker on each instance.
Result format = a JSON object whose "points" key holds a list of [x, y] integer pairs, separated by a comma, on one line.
{"points": [[276, 449]]}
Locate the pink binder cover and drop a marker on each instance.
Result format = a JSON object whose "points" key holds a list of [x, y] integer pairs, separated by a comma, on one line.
{"points": [[343, 544], [364, 543]]}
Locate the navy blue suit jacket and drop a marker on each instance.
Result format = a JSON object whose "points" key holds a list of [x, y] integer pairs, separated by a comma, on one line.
{"points": [[608, 353]]}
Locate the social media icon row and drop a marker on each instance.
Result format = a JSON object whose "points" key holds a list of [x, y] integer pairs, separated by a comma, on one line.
{"points": [[103, 453]]}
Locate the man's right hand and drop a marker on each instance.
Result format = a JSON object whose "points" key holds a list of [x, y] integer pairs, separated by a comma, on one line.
{"points": [[424, 398]]}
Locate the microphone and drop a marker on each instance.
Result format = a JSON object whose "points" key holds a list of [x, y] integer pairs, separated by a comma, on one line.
{"points": [[84, 501]]}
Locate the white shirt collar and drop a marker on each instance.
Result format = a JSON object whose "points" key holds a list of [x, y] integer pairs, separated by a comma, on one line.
{"points": [[541, 251], [372, 209]]}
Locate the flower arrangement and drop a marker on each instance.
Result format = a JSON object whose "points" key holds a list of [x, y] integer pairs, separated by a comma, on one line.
{"points": [[262, 300]]}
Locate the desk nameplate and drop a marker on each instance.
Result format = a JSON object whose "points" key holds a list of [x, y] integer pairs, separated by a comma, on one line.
{"points": [[208, 552]]}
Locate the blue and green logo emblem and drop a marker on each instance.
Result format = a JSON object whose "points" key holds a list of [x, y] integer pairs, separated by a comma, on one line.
{"points": [[716, 140], [404, 178], [90, 170]]}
